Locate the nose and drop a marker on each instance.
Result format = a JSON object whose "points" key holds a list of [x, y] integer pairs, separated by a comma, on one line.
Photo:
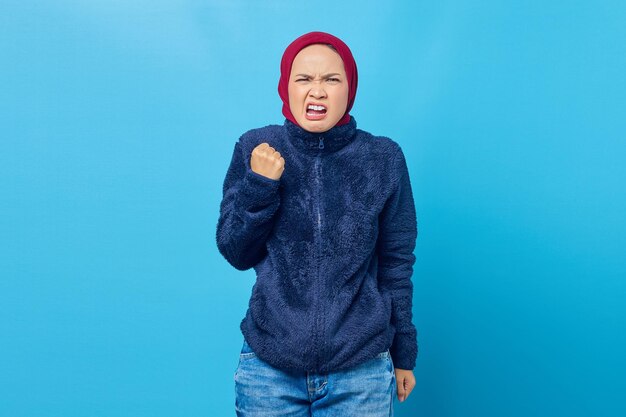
{"points": [[317, 91]]}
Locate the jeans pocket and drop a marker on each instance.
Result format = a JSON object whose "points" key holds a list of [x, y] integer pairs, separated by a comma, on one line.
{"points": [[391, 366], [246, 355], [246, 351]]}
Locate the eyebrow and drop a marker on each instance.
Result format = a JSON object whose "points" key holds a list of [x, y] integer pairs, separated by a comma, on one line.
{"points": [[325, 76]]}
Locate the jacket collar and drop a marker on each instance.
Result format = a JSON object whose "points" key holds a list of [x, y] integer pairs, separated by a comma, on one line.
{"points": [[321, 143]]}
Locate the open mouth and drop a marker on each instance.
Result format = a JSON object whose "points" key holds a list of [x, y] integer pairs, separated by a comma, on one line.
{"points": [[315, 111]]}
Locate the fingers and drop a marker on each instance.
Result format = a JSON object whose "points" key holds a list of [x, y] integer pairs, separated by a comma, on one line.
{"points": [[262, 148], [405, 386], [268, 151], [265, 148], [401, 390]]}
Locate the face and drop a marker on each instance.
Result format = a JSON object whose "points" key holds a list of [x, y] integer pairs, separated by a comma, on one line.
{"points": [[318, 79]]}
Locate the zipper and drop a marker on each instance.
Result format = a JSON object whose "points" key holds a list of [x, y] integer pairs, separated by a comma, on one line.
{"points": [[319, 215], [318, 309], [318, 332]]}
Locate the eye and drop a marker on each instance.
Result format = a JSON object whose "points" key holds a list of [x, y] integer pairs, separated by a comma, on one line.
{"points": [[302, 79], [334, 80]]}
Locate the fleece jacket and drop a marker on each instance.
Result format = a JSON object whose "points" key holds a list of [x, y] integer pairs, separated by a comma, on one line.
{"points": [[332, 244]]}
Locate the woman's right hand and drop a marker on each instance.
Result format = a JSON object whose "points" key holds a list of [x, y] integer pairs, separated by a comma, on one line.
{"points": [[266, 161]]}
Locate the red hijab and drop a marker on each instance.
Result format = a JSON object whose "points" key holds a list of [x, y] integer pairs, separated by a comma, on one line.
{"points": [[296, 46]]}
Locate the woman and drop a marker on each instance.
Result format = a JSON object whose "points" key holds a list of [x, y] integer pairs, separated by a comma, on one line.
{"points": [[324, 213]]}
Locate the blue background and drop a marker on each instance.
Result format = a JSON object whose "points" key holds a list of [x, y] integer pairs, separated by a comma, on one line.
{"points": [[118, 121]]}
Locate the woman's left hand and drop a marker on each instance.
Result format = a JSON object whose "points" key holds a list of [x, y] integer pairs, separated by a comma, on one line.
{"points": [[405, 381]]}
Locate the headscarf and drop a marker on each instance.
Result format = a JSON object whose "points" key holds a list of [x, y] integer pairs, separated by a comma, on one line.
{"points": [[309, 39]]}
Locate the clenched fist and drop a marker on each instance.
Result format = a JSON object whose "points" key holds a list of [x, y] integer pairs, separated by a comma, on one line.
{"points": [[266, 161]]}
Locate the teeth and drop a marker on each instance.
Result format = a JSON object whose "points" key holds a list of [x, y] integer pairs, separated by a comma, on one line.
{"points": [[314, 107]]}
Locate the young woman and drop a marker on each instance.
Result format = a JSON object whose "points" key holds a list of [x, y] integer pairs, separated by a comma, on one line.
{"points": [[324, 213]]}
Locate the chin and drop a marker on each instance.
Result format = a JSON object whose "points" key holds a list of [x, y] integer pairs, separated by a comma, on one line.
{"points": [[314, 127]]}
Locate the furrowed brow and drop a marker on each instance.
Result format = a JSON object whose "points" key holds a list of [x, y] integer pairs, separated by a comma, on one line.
{"points": [[332, 74]]}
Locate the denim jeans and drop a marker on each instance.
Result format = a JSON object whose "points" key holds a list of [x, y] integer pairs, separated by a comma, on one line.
{"points": [[366, 390]]}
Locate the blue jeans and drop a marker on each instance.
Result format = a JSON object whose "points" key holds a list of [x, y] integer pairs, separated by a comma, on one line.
{"points": [[366, 390]]}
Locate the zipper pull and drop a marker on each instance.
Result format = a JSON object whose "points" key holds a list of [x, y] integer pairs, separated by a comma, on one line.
{"points": [[321, 145]]}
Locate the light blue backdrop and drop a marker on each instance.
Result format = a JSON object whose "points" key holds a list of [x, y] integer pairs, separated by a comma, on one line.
{"points": [[118, 120]]}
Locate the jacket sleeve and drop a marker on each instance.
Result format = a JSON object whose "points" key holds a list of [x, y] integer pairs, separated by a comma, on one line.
{"points": [[249, 202], [397, 235]]}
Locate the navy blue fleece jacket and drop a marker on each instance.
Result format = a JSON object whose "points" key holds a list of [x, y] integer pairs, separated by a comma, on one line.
{"points": [[332, 245]]}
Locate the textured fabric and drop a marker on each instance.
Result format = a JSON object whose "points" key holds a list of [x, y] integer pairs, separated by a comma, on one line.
{"points": [[367, 390], [332, 245], [300, 43]]}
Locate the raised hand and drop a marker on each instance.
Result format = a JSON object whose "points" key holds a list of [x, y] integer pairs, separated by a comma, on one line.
{"points": [[267, 161]]}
